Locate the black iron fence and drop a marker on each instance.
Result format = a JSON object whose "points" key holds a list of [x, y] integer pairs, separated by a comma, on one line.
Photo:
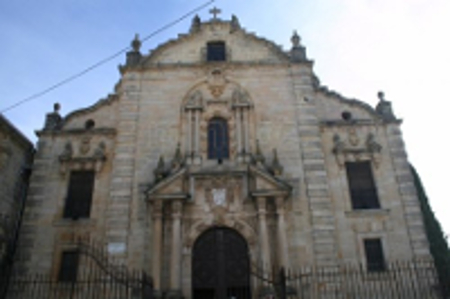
{"points": [[399, 280], [97, 276]]}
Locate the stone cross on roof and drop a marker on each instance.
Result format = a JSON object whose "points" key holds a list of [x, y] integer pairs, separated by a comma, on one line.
{"points": [[215, 11]]}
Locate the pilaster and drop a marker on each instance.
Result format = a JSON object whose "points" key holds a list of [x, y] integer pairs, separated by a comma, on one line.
{"points": [[313, 159], [407, 191], [118, 213]]}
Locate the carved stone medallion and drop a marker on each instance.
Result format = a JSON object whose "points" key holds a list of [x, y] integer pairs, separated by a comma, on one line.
{"points": [[85, 145], [216, 83], [219, 196]]}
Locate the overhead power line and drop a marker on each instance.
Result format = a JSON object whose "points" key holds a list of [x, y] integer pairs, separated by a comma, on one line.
{"points": [[105, 60]]}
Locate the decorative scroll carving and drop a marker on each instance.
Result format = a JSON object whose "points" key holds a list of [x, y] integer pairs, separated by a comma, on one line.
{"points": [[353, 137], [374, 148], [100, 151], [68, 160], [85, 145], [350, 151], [195, 100], [240, 99], [67, 152], [216, 83]]}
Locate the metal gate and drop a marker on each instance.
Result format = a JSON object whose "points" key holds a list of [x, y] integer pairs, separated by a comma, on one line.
{"points": [[98, 276], [414, 279]]}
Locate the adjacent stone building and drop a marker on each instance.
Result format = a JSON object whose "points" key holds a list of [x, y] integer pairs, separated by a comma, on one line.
{"points": [[16, 156], [220, 152]]}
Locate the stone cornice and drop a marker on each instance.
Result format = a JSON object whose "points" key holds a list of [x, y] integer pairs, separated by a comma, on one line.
{"points": [[357, 122], [202, 65], [269, 193], [69, 132]]}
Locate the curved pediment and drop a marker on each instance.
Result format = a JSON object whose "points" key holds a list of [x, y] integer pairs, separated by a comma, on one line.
{"points": [[192, 48]]}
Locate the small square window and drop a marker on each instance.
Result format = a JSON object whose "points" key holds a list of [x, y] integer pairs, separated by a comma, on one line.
{"points": [[374, 255], [363, 192], [216, 51], [68, 269]]}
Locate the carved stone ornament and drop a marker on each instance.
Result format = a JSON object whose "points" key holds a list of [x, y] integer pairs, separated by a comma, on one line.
{"points": [[349, 151], [195, 100], [67, 152], [177, 160], [384, 108], [100, 151], [276, 168], [374, 148], [353, 137], [216, 83], [196, 24], [239, 98], [68, 160], [234, 23], [219, 196], [160, 170], [85, 145], [259, 158]]}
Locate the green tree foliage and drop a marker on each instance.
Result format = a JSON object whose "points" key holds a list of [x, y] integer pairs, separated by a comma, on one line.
{"points": [[438, 243]]}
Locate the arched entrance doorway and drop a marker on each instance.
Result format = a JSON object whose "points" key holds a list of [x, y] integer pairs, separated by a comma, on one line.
{"points": [[220, 265]]}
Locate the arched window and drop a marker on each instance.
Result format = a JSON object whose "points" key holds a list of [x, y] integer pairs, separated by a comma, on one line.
{"points": [[218, 139]]}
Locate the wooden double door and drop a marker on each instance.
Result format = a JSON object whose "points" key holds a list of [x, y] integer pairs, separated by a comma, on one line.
{"points": [[221, 265]]}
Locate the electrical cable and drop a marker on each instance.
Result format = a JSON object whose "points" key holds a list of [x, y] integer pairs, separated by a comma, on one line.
{"points": [[103, 61]]}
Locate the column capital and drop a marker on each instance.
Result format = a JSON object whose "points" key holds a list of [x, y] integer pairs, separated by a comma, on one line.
{"points": [[261, 203], [157, 207], [177, 207], [280, 204]]}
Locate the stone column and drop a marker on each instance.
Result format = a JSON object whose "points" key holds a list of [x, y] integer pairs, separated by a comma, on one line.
{"points": [[197, 131], [238, 118], [263, 233], [157, 243], [281, 233], [175, 260], [245, 124], [189, 132]]}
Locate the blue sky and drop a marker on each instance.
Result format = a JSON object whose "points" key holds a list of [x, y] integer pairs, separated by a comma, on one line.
{"points": [[359, 47]]}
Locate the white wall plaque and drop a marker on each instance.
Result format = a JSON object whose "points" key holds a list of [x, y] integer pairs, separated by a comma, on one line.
{"points": [[219, 196], [116, 248]]}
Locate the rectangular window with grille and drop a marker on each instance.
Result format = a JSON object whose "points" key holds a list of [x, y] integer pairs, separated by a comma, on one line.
{"points": [[363, 192], [374, 255], [79, 195], [216, 51], [68, 269]]}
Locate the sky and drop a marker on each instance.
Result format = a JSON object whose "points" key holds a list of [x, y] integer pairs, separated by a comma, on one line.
{"points": [[359, 47]]}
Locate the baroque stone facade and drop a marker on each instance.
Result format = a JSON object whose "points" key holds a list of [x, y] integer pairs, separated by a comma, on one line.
{"points": [[223, 129]]}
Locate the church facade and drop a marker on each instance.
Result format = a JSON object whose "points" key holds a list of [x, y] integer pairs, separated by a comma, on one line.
{"points": [[219, 153]]}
